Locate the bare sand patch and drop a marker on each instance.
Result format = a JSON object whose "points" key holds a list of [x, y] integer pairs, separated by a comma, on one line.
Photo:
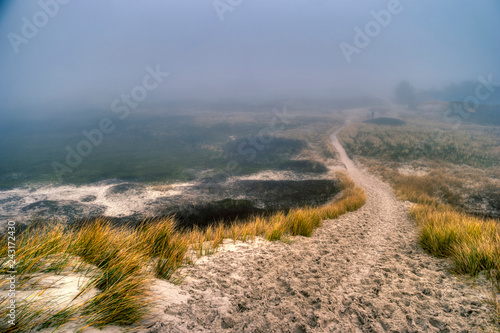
{"points": [[363, 272]]}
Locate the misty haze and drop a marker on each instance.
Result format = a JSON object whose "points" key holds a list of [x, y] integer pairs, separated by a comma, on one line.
{"points": [[250, 166]]}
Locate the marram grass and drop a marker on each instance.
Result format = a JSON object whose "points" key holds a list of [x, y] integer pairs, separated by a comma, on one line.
{"points": [[471, 242], [120, 262]]}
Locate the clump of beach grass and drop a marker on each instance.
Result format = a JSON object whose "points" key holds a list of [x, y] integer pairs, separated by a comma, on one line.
{"points": [[120, 262]]}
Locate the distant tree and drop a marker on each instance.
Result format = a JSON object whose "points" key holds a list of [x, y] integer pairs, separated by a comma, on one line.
{"points": [[405, 94]]}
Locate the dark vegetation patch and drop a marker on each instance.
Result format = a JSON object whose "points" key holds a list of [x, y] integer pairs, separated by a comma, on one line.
{"points": [[488, 115], [386, 121], [485, 203], [483, 114], [226, 210], [10, 200], [242, 199], [304, 166], [125, 188], [261, 197], [146, 148], [88, 198], [65, 208], [255, 150], [284, 194]]}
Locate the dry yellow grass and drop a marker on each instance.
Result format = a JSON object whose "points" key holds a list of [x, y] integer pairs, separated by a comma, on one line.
{"points": [[421, 140], [472, 243], [121, 261], [445, 231]]}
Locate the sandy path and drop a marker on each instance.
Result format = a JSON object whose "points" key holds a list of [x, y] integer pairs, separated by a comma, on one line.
{"points": [[363, 272]]}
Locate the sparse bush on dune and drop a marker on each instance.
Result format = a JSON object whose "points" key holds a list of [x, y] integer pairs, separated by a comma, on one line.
{"points": [[121, 262]]}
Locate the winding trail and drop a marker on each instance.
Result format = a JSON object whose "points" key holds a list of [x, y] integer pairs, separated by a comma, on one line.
{"points": [[363, 272]]}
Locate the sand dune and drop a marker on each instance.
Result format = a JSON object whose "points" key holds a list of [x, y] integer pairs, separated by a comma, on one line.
{"points": [[363, 272]]}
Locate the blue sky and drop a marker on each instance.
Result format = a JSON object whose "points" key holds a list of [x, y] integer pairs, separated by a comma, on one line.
{"points": [[90, 52]]}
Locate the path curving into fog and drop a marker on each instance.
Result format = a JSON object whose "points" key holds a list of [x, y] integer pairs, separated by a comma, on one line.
{"points": [[363, 272]]}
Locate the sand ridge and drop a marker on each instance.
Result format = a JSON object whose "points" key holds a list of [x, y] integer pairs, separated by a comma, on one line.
{"points": [[363, 272]]}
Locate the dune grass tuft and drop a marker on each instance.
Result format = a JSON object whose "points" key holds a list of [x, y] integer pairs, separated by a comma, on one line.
{"points": [[275, 229], [123, 300], [38, 250], [302, 221], [121, 262], [171, 256], [471, 242]]}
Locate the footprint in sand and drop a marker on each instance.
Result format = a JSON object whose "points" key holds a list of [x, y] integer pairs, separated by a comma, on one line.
{"points": [[363, 272]]}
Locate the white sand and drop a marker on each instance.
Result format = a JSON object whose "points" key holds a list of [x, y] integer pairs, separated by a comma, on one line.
{"points": [[116, 205], [363, 272], [279, 175]]}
